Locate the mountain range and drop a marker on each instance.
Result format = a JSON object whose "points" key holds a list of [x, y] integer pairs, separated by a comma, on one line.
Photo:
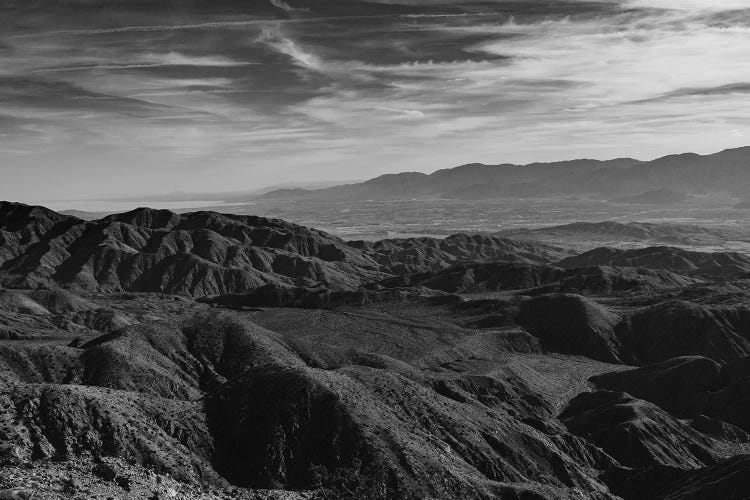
{"points": [[208, 356], [207, 253], [661, 181]]}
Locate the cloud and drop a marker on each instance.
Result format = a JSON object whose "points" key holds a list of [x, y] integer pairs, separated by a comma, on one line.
{"points": [[144, 61], [286, 7], [692, 5], [274, 38], [248, 95], [722, 90], [404, 113]]}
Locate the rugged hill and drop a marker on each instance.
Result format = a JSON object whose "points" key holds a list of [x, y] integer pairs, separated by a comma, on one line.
{"points": [[201, 253], [572, 324], [215, 399], [678, 260], [637, 433], [575, 324], [692, 387], [501, 276], [472, 367], [423, 254], [207, 253]]}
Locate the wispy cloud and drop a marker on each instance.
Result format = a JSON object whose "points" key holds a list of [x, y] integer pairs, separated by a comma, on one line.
{"points": [[692, 5], [274, 90], [144, 61], [286, 7]]}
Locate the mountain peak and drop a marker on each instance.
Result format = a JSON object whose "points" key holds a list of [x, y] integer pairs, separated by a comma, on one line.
{"points": [[151, 218]]}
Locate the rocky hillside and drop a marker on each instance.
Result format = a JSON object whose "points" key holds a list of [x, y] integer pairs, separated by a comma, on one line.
{"points": [[428, 254], [540, 278], [217, 400], [638, 335], [207, 253], [473, 367], [678, 260], [201, 253]]}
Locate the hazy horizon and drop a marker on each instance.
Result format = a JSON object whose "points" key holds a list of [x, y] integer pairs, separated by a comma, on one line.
{"points": [[198, 199], [127, 99]]}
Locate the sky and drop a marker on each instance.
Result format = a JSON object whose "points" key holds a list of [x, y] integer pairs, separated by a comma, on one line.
{"points": [[111, 98]]}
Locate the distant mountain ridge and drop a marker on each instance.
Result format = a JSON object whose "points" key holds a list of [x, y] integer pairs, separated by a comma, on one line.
{"points": [[443, 182], [723, 172]]}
